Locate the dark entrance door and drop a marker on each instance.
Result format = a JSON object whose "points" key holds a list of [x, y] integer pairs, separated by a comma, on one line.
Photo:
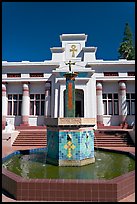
{"points": [[78, 109]]}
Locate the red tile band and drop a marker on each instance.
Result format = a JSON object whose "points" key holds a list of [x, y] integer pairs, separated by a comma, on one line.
{"points": [[70, 99]]}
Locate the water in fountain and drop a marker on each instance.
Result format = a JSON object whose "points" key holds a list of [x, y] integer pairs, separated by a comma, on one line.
{"points": [[108, 165]]}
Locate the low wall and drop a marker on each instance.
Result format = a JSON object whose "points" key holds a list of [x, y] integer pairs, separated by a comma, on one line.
{"points": [[112, 190], [132, 135], [68, 189]]}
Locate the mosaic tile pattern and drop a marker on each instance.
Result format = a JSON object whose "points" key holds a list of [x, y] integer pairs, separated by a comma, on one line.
{"points": [[79, 147], [53, 144]]}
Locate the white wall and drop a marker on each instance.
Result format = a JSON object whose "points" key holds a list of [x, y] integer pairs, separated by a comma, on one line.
{"points": [[14, 88], [57, 57], [37, 87], [110, 87], [130, 85]]}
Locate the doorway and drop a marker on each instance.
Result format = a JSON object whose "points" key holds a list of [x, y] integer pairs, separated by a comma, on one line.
{"points": [[78, 109], [79, 103]]}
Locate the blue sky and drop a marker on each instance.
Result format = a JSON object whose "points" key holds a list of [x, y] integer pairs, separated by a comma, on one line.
{"points": [[30, 29]]}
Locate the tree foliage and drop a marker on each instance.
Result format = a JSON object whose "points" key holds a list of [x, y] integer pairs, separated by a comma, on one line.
{"points": [[127, 49]]}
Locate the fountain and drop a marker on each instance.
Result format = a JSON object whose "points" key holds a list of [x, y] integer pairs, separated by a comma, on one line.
{"points": [[66, 170], [70, 140], [27, 177]]}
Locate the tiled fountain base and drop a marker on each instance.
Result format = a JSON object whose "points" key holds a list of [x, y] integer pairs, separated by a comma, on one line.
{"points": [[70, 141], [68, 189]]}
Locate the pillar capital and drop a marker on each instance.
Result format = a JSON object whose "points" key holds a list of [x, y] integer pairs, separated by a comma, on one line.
{"points": [[99, 86], [25, 89], [122, 85], [25, 85], [3, 87]]}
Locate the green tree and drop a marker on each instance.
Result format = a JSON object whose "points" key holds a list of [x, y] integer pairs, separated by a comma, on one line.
{"points": [[127, 49]]}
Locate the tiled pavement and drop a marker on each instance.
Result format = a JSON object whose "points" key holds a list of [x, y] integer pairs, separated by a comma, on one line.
{"points": [[7, 149]]}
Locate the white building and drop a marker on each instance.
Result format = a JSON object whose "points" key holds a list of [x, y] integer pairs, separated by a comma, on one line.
{"points": [[105, 90]]}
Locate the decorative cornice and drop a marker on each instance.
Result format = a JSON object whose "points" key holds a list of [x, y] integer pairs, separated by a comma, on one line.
{"points": [[24, 63], [89, 49], [69, 37], [57, 49], [112, 62]]}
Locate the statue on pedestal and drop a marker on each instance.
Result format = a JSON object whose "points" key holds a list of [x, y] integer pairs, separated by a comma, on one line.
{"points": [[70, 63], [9, 127]]}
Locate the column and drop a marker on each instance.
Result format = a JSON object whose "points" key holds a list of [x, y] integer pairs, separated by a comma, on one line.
{"points": [[70, 94], [56, 104], [61, 105], [122, 101], [4, 106], [25, 105], [48, 99], [99, 103]]}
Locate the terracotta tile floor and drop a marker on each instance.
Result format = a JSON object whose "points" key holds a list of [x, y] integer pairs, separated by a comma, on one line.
{"points": [[7, 149]]}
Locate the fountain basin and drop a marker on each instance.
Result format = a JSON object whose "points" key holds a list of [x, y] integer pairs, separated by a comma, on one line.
{"points": [[111, 190]]}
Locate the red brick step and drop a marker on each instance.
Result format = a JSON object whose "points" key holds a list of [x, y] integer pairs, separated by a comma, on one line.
{"points": [[31, 136]]}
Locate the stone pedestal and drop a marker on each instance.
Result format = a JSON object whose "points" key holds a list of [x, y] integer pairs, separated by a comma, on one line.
{"points": [[9, 136], [70, 141]]}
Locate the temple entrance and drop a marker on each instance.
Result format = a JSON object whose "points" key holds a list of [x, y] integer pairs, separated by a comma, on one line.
{"points": [[78, 109], [79, 103]]}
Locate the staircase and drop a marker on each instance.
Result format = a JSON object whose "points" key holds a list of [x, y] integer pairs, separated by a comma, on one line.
{"points": [[31, 136], [112, 138], [36, 136]]}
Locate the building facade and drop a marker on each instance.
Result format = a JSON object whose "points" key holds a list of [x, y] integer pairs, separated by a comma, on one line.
{"points": [[33, 91]]}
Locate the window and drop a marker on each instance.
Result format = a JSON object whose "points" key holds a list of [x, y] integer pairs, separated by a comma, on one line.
{"points": [[36, 74], [12, 75], [131, 73], [110, 104], [130, 100], [110, 73], [37, 104], [14, 104]]}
